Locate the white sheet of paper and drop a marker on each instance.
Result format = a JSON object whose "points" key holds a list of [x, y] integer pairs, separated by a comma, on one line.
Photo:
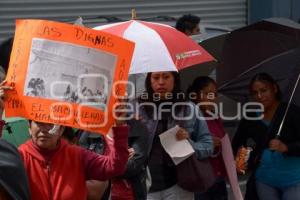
{"points": [[178, 150], [230, 167]]}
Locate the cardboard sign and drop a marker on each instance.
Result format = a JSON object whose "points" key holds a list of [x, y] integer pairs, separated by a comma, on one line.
{"points": [[66, 74]]}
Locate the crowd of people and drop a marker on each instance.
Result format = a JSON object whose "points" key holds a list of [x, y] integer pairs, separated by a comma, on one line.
{"points": [[130, 163]]}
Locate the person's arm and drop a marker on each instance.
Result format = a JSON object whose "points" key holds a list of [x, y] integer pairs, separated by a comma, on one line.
{"points": [[103, 167], [3, 87], [201, 140], [200, 137]]}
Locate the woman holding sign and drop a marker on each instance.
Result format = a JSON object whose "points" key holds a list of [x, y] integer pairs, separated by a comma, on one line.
{"points": [[58, 170], [159, 109]]}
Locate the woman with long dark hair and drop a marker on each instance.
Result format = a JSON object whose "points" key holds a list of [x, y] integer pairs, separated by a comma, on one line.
{"points": [[203, 92], [158, 110], [275, 160]]}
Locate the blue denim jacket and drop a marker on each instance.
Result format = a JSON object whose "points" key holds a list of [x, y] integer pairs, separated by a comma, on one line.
{"points": [[200, 137]]}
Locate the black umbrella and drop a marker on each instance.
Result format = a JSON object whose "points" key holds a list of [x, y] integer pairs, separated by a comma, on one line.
{"points": [[250, 45], [214, 46], [245, 47], [283, 67]]}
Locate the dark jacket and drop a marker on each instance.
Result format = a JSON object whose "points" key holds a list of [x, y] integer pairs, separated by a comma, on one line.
{"points": [[261, 134], [13, 177], [290, 134], [201, 140], [250, 133], [136, 166]]}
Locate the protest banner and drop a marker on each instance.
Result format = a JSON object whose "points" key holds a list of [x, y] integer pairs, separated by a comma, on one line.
{"points": [[66, 74]]}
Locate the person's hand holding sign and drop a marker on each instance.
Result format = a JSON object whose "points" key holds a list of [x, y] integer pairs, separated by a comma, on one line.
{"points": [[3, 88]]}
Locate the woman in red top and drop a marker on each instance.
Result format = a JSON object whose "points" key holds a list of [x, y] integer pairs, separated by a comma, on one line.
{"points": [[204, 91], [58, 170]]}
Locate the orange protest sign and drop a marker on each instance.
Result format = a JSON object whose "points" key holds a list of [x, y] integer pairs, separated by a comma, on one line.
{"points": [[66, 74]]}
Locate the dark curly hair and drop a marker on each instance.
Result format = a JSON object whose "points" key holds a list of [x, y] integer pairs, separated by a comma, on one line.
{"points": [[187, 22]]}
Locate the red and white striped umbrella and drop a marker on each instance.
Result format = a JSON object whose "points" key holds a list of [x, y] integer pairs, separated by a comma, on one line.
{"points": [[158, 47]]}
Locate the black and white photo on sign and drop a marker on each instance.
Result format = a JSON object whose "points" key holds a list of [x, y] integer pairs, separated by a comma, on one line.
{"points": [[69, 72]]}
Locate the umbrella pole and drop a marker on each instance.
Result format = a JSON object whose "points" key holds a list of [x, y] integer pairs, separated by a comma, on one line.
{"points": [[287, 108]]}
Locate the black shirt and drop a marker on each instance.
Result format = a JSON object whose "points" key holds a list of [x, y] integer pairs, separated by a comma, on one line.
{"points": [[162, 168]]}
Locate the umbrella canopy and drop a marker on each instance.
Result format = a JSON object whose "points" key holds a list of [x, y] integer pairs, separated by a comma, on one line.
{"points": [[158, 47], [248, 46], [213, 45], [283, 67]]}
